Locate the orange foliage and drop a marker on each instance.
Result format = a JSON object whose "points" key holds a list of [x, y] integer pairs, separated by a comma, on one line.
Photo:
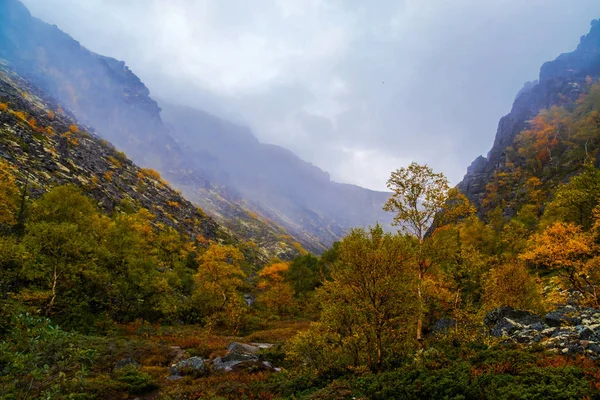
{"points": [[109, 176], [50, 115], [21, 115], [150, 173], [559, 246], [174, 204], [74, 129], [3, 106], [545, 130]]}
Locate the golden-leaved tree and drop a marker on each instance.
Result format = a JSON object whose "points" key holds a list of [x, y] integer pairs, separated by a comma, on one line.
{"points": [[572, 252], [218, 280], [275, 294], [419, 194], [368, 310]]}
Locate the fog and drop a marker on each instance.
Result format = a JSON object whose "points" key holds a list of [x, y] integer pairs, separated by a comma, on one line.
{"points": [[357, 88]]}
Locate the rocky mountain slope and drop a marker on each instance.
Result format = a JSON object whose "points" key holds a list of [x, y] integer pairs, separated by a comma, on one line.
{"points": [[104, 94], [47, 147], [274, 181], [561, 83]]}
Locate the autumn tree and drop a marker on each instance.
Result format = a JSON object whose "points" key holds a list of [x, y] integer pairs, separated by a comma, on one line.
{"points": [[304, 274], [419, 194], [219, 277], [61, 232], [575, 201], [366, 303], [275, 294], [139, 285], [567, 249], [511, 285], [9, 194]]}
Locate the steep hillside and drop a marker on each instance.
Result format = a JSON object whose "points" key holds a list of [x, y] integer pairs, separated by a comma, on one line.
{"points": [[274, 181], [562, 82], [49, 147], [104, 94]]}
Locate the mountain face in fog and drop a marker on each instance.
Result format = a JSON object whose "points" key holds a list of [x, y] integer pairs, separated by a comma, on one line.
{"points": [[218, 165], [278, 184]]}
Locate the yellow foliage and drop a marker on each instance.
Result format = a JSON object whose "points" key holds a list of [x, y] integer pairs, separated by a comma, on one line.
{"points": [[151, 174], [21, 115], [276, 295], [8, 194], [50, 131], [94, 181], [511, 285], [109, 176], [275, 272], [70, 138], [174, 204], [51, 115], [559, 246], [116, 163], [3, 106]]}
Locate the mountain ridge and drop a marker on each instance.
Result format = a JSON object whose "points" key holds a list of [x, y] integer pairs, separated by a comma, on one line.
{"points": [[560, 83], [105, 94]]}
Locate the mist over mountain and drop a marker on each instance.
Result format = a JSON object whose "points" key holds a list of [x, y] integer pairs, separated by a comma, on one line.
{"points": [[217, 165]]}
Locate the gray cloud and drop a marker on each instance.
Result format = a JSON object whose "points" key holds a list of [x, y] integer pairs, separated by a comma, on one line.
{"points": [[358, 88]]}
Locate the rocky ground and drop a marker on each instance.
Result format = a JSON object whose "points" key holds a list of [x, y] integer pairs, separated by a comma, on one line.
{"points": [[566, 330]]}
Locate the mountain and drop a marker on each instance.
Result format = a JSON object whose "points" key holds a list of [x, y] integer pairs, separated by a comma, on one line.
{"points": [[274, 181], [562, 84], [48, 147], [264, 194]]}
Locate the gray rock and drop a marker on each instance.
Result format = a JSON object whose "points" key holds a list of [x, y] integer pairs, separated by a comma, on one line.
{"points": [[504, 321], [586, 333], [194, 366], [505, 327], [235, 356], [594, 347], [242, 348], [567, 315], [223, 366]]}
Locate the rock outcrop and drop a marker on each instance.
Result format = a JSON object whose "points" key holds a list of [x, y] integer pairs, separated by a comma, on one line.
{"points": [[567, 330], [559, 83]]}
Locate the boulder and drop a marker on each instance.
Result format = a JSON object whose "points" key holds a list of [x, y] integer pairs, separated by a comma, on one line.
{"points": [[252, 366], [567, 315], [218, 364], [126, 362], [235, 356], [517, 316], [242, 348], [194, 366]]}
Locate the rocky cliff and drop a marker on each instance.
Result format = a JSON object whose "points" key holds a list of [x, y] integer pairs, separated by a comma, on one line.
{"points": [[560, 83]]}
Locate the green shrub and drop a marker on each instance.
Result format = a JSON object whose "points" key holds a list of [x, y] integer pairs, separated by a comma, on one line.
{"points": [[137, 382]]}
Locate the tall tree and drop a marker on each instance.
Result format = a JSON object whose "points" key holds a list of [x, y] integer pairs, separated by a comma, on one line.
{"points": [[366, 301], [419, 194]]}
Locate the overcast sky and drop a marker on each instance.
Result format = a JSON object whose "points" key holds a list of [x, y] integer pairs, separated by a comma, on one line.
{"points": [[357, 87]]}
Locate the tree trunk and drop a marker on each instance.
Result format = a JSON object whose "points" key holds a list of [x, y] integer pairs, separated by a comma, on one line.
{"points": [[420, 311], [54, 282], [379, 353]]}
